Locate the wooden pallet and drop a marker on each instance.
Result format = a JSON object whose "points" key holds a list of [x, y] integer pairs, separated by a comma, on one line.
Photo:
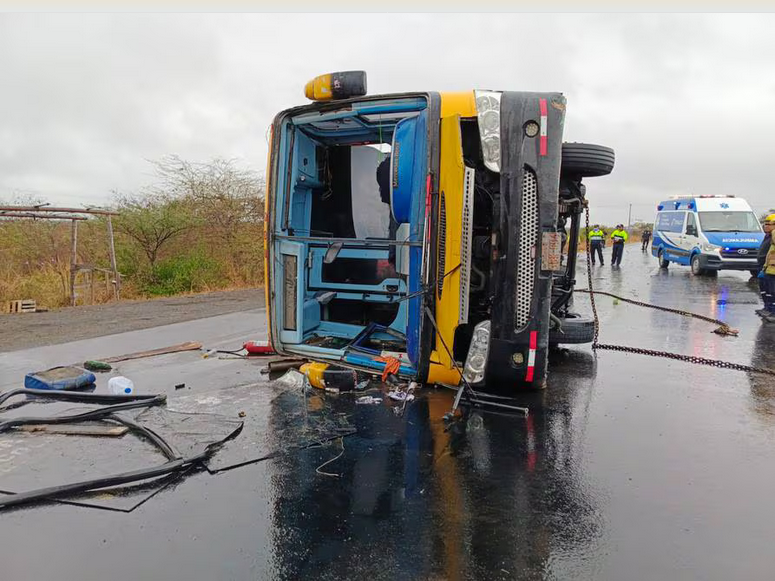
{"points": [[21, 306]]}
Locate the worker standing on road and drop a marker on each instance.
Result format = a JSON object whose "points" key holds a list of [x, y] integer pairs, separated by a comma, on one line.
{"points": [[645, 238], [596, 243], [619, 237], [766, 259]]}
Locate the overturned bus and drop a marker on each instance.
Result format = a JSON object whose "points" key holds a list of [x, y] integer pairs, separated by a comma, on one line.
{"points": [[437, 229]]}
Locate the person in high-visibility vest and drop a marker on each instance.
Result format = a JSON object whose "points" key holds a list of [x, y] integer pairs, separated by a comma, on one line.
{"points": [[596, 243], [619, 237], [766, 259]]}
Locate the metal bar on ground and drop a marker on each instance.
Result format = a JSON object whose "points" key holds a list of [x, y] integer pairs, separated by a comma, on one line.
{"points": [[515, 408]]}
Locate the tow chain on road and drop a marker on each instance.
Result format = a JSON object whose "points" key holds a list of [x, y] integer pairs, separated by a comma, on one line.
{"points": [[723, 329]]}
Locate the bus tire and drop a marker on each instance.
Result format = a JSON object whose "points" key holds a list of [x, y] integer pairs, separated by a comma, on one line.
{"points": [[663, 262], [697, 270], [586, 160], [575, 330]]}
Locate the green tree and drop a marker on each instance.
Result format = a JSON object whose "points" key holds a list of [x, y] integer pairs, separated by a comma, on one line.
{"points": [[153, 222]]}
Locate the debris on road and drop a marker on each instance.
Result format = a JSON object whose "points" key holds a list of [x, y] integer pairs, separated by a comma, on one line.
{"points": [[170, 432], [368, 400], [292, 379], [120, 385], [65, 377], [77, 430], [258, 348], [188, 346], [99, 366], [282, 364], [330, 377], [401, 395]]}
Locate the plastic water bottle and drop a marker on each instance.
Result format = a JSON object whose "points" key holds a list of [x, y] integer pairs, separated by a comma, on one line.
{"points": [[120, 385]]}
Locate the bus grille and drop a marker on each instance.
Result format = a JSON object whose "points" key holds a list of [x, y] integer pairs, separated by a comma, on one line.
{"points": [[528, 239], [442, 244], [466, 240]]}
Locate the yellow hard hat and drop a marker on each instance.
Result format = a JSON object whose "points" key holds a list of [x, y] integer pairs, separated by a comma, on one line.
{"points": [[770, 218]]}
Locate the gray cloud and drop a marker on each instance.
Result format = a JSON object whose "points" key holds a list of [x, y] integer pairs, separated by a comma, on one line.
{"points": [[86, 99]]}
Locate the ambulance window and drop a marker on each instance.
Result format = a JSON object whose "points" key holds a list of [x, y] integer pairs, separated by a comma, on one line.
{"points": [[691, 225]]}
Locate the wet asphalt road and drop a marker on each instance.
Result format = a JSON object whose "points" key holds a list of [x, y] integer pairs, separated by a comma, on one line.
{"points": [[628, 467]]}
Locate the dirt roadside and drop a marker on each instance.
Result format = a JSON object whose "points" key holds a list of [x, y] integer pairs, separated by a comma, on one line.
{"points": [[23, 331]]}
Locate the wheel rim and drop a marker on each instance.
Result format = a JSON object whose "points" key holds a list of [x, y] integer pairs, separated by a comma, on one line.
{"points": [[695, 264]]}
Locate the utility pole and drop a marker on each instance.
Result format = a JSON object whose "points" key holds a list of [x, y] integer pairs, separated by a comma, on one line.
{"points": [[629, 217]]}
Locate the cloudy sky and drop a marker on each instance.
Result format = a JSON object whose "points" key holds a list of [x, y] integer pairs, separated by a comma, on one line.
{"points": [[686, 100]]}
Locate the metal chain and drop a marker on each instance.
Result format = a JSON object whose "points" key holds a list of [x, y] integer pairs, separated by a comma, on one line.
{"points": [[589, 277], [723, 328]]}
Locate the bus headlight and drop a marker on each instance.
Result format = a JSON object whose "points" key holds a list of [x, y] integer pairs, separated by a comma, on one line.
{"points": [[477, 353], [488, 110]]}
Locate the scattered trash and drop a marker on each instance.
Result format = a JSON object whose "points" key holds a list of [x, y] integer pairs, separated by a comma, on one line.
{"points": [[242, 414], [368, 400], [180, 386], [401, 395], [120, 385], [362, 385], [99, 366], [59, 378], [292, 379], [330, 377]]}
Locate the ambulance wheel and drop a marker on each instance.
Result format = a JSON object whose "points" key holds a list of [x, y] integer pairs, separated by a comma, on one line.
{"points": [[697, 270], [585, 160], [663, 262]]}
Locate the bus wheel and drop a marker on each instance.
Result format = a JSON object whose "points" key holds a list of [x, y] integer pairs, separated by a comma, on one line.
{"points": [[663, 262], [697, 270], [585, 160]]}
